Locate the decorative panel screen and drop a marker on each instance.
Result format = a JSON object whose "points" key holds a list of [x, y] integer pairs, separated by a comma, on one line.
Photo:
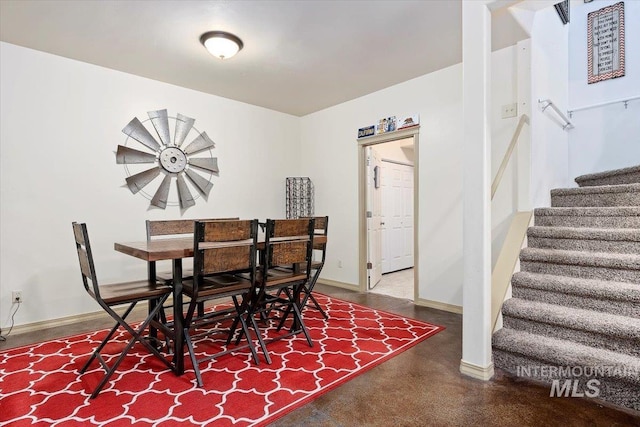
{"points": [[299, 197]]}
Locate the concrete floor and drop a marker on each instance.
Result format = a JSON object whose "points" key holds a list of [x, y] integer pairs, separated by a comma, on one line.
{"points": [[422, 386]]}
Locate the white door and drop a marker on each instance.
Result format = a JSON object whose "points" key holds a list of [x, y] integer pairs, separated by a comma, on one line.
{"points": [[374, 218], [397, 216]]}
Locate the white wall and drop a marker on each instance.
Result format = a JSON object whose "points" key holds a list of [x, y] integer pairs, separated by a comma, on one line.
{"points": [[61, 123], [606, 137], [549, 71], [503, 92], [329, 157]]}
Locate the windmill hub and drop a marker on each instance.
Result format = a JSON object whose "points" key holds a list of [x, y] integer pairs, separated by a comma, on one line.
{"points": [[173, 160]]}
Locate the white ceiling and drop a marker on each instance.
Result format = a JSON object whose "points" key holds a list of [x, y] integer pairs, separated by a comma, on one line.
{"points": [[299, 56]]}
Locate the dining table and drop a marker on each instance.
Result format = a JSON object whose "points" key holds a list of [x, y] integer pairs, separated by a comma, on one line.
{"points": [[174, 249]]}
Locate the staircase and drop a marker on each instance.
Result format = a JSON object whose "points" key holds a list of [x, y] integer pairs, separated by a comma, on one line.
{"points": [[574, 319]]}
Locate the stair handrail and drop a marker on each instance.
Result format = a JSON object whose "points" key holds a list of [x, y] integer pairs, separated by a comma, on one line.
{"points": [[505, 160], [624, 101], [548, 103]]}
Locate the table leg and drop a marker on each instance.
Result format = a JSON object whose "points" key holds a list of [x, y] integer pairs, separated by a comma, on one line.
{"points": [[151, 274], [178, 342]]}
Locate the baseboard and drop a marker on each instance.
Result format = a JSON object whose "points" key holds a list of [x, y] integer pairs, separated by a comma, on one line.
{"points": [[451, 308], [139, 310], [52, 323], [475, 371], [337, 284]]}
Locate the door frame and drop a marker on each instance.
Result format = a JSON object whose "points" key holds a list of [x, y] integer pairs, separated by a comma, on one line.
{"points": [[412, 132]]}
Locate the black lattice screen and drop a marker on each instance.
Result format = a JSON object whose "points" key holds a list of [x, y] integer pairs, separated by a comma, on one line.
{"points": [[299, 197]]}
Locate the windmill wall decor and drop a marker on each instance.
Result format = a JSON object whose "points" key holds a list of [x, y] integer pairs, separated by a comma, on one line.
{"points": [[172, 160]]}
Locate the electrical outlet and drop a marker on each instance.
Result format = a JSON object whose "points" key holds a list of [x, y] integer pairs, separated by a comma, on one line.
{"points": [[509, 110], [339, 263], [16, 296]]}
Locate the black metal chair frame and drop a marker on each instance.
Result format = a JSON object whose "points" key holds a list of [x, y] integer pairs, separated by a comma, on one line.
{"points": [[148, 292], [283, 291], [321, 228], [215, 278]]}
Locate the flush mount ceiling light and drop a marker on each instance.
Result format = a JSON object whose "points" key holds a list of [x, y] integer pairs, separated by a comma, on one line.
{"points": [[221, 44]]}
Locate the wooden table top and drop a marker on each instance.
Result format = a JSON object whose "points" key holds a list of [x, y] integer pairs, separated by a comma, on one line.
{"points": [[182, 247]]}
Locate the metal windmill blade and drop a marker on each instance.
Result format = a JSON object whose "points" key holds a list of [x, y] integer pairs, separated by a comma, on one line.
{"points": [[203, 185], [160, 121], [183, 127], [126, 155], [186, 199], [138, 181], [137, 131], [162, 194], [210, 164], [202, 142]]}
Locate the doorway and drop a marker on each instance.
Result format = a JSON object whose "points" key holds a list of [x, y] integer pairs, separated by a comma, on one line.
{"points": [[388, 189]]}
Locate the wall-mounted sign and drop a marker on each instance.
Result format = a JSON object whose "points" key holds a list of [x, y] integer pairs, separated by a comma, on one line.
{"points": [[366, 131], [605, 43]]}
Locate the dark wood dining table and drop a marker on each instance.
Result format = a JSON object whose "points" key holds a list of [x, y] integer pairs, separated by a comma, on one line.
{"points": [[174, 249]]}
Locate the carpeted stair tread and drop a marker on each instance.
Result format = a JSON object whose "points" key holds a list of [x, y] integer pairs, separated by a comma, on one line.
{"points": [[562, 353], [604, 289], [590, 259], [597, 189], [606, 211], [622, 327], [601, 195], [591, 217], [610, 177], [585, 233], [586, 239]]}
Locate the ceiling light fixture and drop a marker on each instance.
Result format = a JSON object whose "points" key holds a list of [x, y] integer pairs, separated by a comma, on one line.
{"points": [[221, 44]]}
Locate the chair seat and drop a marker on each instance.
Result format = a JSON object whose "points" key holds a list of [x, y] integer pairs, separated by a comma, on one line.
{"points": [[217, 285], [118, 293]]}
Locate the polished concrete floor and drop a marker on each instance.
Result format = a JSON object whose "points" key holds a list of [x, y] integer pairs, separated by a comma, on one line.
{"points": [[422, 386]]}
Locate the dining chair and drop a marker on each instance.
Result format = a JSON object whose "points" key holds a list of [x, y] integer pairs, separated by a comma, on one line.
{"points": [[174, 228], [111, 295], [320, 248], [223, 250], [288, 242], [317, 263]]}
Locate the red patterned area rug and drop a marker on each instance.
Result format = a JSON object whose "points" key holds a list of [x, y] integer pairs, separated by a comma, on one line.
{"points": [[40, 385]]}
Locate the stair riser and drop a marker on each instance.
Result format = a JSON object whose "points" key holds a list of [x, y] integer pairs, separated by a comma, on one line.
{"points": [[596, 200], [620, 308], [602, 340], [629, 178], [614, 390], [587, 272], [623, 247], [588, 221]]}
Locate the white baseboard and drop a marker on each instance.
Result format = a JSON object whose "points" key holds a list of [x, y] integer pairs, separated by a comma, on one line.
{"points": [[475, 371], [337, 284], [451, 308]]}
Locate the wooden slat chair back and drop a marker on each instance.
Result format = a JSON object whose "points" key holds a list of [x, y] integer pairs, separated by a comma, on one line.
{"points": [[224, 251], [174, 228], [287, 242], [115, 294]]}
